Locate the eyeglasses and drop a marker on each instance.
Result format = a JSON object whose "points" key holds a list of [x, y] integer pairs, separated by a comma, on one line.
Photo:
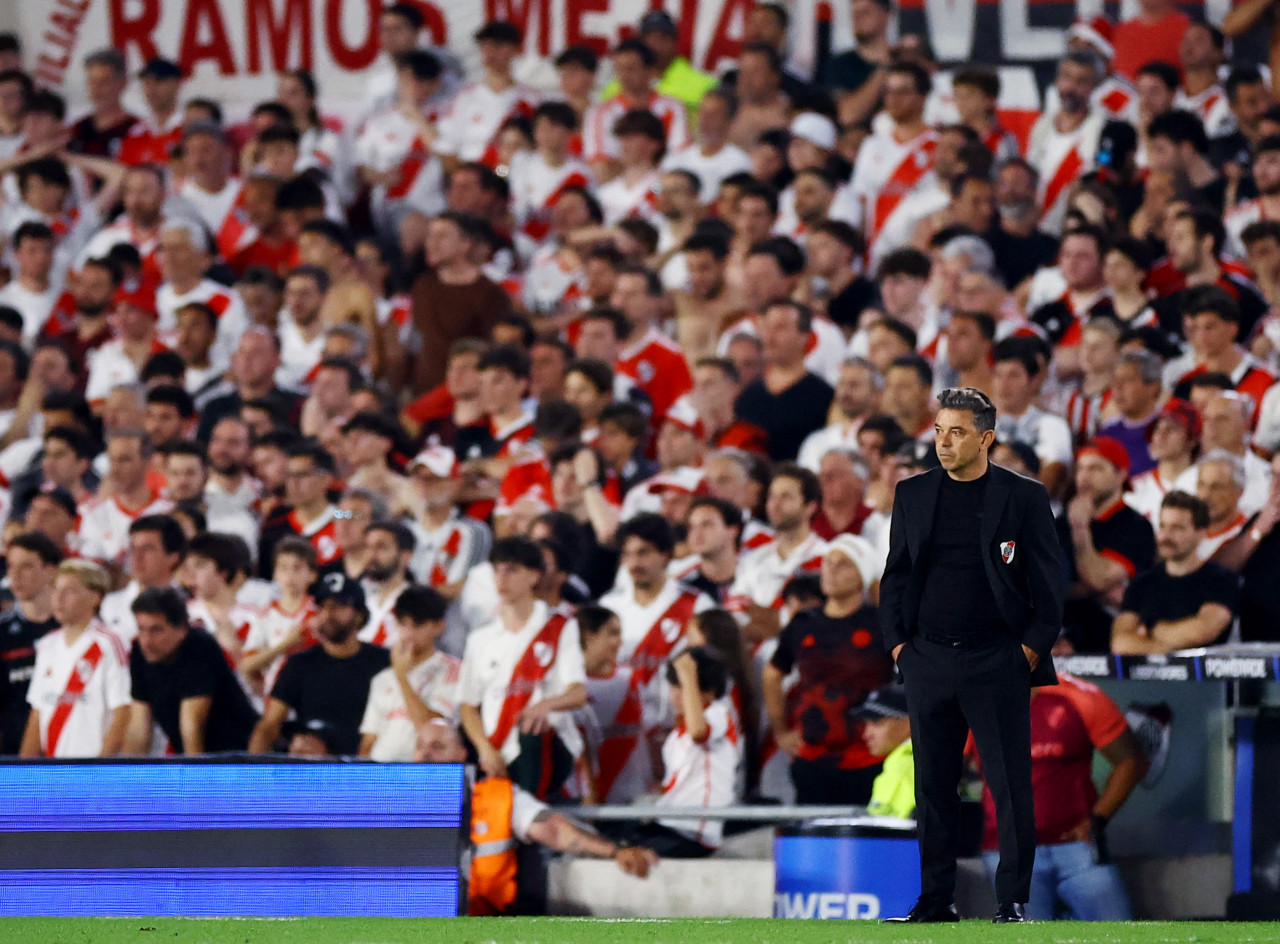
{"points": [[348, 516]]}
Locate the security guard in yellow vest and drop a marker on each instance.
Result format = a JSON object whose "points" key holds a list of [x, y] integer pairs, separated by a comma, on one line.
{"points": [[503, 815]]}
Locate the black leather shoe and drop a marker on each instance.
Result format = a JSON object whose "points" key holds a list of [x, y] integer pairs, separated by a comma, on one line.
{"points": [[927, 913], [1010, 912]]}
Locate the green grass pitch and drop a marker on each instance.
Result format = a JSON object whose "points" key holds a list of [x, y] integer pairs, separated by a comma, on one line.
{"points": [[601, 930]]}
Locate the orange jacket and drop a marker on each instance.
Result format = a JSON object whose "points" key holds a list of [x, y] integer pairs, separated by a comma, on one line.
{"points": [[492, 889]]}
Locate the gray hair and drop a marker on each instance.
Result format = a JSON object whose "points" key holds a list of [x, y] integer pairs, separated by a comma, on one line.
{"points": [[1230, 460], [736, 456], [112, 58], [970, 400], [877, 378], [1243, 402], [377, 504], [358, 337], [861, 467], [981, 258], [1148, 365], [1088, 58]]}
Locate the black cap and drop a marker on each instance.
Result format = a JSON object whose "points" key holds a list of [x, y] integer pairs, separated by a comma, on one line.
{"points": [[500, 31], [889, 702], [658, 21], [338, 586], [917, 455], [160, 69], [316, 727]]}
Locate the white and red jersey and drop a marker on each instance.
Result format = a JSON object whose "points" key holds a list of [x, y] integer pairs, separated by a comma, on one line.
{"points": [[397, 309], [110, 367], [510, 440], [652, 634], [536, 188], [1211, 107], [218, 212], [1002, 143], [1238, 219], [527, 480], [76, 689], [1146, 492], [1061, 160], [272, 626], [1249, 376], [446, 554], [477, 112], [598, 142], [890, 176], [756, 534], [657, 365], [34, 307], [1084, 412], [710, 169], [620, 200], [124, 230], [321, 532], [1115, 98], [233, 319], [1215, 537], [242, 618], [104, 525], [149, 141], [435, 680], [763, 573], [553, 278], [299, 357], [825, 351], [497, 676], [612, 727], [381, 629], [702, 773], [391, 141]]}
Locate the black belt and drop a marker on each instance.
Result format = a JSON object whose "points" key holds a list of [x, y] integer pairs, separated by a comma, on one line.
{"points": [[952, 642]]}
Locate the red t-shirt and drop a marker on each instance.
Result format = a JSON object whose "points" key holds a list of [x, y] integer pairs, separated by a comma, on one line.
{"points": [[1137, 43], [1068, 722]]}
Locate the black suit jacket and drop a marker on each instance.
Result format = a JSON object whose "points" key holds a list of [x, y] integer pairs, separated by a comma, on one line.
{"points": [[1029, 588]]}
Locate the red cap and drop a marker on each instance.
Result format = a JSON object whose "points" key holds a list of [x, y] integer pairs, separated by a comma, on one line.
{"points": [[139, 293], [1098, 32], [1108, 448], [1181, 412]]}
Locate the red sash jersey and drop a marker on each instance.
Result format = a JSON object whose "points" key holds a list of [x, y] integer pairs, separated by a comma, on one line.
{"points": [[1068, 723], [1253, 307], [1083, 413], [1063, 324], [1249, 377], [658, 367]]}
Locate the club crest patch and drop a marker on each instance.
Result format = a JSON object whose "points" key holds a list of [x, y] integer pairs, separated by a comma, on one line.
{"points": [[1006, 551]]}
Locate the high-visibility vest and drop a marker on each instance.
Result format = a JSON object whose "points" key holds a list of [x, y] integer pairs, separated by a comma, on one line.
{"points": [[492, 889]]}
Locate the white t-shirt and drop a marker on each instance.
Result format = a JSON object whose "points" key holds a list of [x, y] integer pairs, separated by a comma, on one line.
{"points": [[620, 200], [490, 660], [99, 660], [298, 356], [435, 681], [711, 169], [390, 141], [472, 121], [214, 208], [104, 525], [703, 774], [1047, 434], [33, 306], [233, 319]]}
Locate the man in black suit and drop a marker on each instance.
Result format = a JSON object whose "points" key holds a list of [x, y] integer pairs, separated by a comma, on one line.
{"points": [[971, 603]]}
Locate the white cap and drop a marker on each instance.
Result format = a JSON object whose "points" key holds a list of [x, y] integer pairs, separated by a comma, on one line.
{"points": [[683, 479], [817, 129], [863, 555], [440, 461]]}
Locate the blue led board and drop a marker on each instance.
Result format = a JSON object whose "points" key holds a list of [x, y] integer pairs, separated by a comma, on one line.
{"points": [[211, 839]]}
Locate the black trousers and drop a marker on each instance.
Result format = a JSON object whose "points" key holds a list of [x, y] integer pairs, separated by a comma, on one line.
{"points": [[824, 783], [951, 692]]}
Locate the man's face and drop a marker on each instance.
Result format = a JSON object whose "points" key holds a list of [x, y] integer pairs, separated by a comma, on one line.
{"points": [[158, 640], [104, 86], [1154, 97], [645, 563], [1250, 103], [1186, 251], [206, 157], [1169, 439], [438, 744], [747, 357], [966, 346], [128, 468], [785, 506], [812, 198], [1197, 51], [677, 446], [1177, 537], [870, 20], [727, 479], [49, 518], [34, 258], [178, 259], [713, 117], [1208, 334], [1263, 257], [713, 389], [195, 337], [546, 371], [882, 735], [1098, 479], [1011, 387], [904, 392], [29, 576], [1080, 263], [255, 360], [162, 423], [228, 447], [956, 439], [465, 195], [500, 391], [900, 293], [93, 290], [150, 563], [1075, 84], [840, 481], [1217, 488], [784, 342], [1266, 172], [631, 297], [515, 582], [975, 207], [60, 464], [338, 622], [304, 484], [709, 536], [840, 576], [706, 274], [12, 101], [753, 219], [445, 244], [185, 476], [676, 198], [395, 34], [902, 102], [386, 560], [351, 522], [576, 81], [303, 300], [1225, 424]]}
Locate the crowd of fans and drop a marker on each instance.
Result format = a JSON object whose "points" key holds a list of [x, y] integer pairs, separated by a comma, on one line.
{"points": [[488, 403]]}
